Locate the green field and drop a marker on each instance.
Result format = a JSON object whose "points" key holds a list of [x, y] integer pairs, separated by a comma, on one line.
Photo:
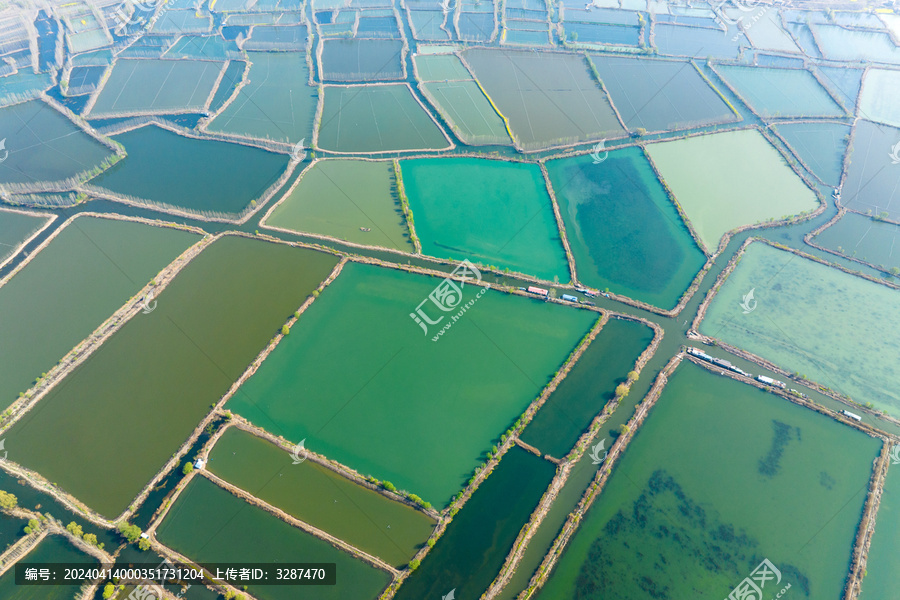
{"points": [[716, 179], [359, 516], [487, 211], [837, 329], [404, 412], [338, 198], [720, 476], [200, 174], [276, 104], [156, 86], [44, 145], [71, 287], [376, 118], [15, 228], [550, 99], [209, 525], [622, 228], [170, 364]]}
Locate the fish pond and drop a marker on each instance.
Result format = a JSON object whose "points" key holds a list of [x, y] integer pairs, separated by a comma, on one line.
{"points": [[550, 99], [44, 145], [471, 551], [821, 147], [794, 325], [210, 525], [730, 193], [659, 95], [15, 229], [277, 102], [193, 362], [870, 185], [408, 401], [358, 515], [353, 200], [882, 577], [875, 103], [201, 175], [353, 59], [487, 211], [53, 549], [624, 231], [588, 387], [864, 238], [71, 287], [774, 92], [468, 111], [720, 476], [376, 118]]}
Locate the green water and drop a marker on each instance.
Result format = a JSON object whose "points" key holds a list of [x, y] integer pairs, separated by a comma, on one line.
{"points": [[359, 380], [839, 330], [473, 548], [353, 59], [82, 277], [549, 99], [588, 387], [720, 476], [200, 175], [318, 496], [155, 85], [871, 182], [781, 92], [230, 79], [487, 211], [622, 228], [43, 145], [276, 104], [377, 118], [338, 197], [821, 146], [731, 192], [210, 525], [659, 94], [463, 104], [882, 577], [15, 228], [146, 388], [52, 549], [863, 238], [439, 67], [875, 104], [11, 529]]}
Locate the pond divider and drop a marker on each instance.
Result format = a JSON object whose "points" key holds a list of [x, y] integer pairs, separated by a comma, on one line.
{"points": [[15, 251]]}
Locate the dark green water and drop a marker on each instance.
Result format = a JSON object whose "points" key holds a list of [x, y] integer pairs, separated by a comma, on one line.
{"points": [[200, 175], [52, 549], [318, 496], [622, 228], [209, 525], [588, 387], [470, 553], [142, 393], [720, 476], [863, 238], [360, 381], [15, 228], [44, 145], [488, 211], [83, 276], [11, 529]]}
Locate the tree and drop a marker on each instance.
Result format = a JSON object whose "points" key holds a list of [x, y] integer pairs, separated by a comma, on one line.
{"points": [[285, 330], [33, 525], [621, 389], [389, 486], [633, 375], [7, 500], [108, 590], [90, 538], [414, 564], [624, 428], [188, 467], [75, 529], [129, 532], [144, 544]]}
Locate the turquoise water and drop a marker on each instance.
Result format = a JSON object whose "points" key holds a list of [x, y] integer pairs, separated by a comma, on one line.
{"points": [[882, 577], [821, 146]]}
